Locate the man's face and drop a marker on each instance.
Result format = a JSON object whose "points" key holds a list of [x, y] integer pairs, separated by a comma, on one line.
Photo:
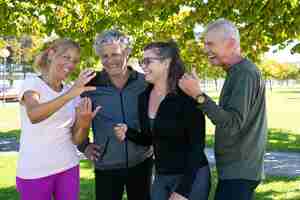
{"points": [[216, 47], [114, 59]]}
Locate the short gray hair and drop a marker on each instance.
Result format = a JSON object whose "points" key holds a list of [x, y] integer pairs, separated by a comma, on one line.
{"points": [[226, 26], [109, 37]]}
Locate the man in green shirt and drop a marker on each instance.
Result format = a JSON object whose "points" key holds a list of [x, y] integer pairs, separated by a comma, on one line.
{"points": [[240, 117]]}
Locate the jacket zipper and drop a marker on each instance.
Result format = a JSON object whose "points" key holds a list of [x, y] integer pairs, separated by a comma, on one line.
{"points": [[124, 121]]}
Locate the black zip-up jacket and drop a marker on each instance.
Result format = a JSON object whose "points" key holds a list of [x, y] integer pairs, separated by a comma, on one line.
{"points": [[178, 136]]}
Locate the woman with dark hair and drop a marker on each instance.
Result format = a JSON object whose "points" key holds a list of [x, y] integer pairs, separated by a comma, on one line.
{"points": [[171, 122]]}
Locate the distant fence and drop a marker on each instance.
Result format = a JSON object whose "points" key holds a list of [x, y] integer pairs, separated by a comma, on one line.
{"points": [[216, 85], [11, 79], [12, 75]]}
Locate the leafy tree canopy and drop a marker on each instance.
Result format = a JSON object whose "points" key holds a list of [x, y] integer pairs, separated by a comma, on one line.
{"points": [[262, 23]]}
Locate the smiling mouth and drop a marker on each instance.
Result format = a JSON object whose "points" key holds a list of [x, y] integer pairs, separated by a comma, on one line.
{"points": [[211, 56], [147, 72], [66, 70]]}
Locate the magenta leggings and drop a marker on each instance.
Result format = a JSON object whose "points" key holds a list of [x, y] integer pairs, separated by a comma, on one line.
{"points": [[61, 186]]}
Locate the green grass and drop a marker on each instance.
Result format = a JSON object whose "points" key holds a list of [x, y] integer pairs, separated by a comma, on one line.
{"points": [[283, 106], [9, 120], [283, 109], [283, 135], [273, 188], [278, 140]]}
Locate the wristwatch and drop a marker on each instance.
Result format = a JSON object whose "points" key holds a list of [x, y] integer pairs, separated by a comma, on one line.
{"points": [[200, 98]]}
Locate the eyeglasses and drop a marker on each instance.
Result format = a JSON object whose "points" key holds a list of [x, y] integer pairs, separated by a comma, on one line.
{"points": [[147, 61]]}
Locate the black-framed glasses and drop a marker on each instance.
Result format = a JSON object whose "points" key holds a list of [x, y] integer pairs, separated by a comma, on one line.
{"points": [[148, 60]]}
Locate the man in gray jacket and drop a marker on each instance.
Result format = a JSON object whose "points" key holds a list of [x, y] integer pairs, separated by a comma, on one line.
{"points": [[117, 165], [240, 117]]}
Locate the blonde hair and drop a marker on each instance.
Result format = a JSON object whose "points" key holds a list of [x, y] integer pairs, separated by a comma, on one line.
{"points": [[59, 46]]}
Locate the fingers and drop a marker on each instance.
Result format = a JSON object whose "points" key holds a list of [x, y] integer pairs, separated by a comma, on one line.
{"points": [[86, 108], [85, 104], [88, 105], [89, 88], [93, 152], [80, 105], [121, 127], [86, 75], [86, 72], [194, 73], [120, 130], [89, 77], [96, 111]]}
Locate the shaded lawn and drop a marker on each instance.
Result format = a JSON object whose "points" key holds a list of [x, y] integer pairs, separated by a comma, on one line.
{"points": [[273, 188]]}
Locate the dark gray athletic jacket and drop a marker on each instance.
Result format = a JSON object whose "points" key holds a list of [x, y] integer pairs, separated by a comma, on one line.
{"points": [[118, 106]]}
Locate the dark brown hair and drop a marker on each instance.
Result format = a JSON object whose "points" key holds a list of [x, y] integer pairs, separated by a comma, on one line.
{"points": [[176, 69]]}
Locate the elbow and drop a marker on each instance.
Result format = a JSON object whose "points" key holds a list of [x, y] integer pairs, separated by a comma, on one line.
{"points": [[33, 119]]}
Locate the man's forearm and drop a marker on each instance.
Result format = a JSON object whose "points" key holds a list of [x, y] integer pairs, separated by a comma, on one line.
{"points": [[227, 118]]}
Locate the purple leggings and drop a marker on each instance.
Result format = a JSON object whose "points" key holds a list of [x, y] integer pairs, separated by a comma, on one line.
{"points": [[61, 186]]}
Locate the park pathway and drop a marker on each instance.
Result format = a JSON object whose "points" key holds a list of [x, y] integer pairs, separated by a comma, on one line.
{"points": [[276, 163]]}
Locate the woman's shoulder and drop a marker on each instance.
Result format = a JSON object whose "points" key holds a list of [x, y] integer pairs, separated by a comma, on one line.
{"points": [[32, 82], [33, 78]]}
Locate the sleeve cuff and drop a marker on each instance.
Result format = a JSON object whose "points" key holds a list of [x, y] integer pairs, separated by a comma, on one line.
{"points": [[83, 146]]}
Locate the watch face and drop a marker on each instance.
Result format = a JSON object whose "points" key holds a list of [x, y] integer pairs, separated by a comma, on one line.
{"points": [[201, 99]]}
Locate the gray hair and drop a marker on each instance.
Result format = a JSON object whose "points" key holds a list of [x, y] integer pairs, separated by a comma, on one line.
{"points": [[109, 37], [227, 27]]}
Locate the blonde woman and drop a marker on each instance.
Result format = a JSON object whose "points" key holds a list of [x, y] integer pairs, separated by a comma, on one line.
{"points": [[51, 126]]}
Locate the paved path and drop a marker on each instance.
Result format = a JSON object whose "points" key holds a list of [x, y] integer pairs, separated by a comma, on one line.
{"points": [[276, 163]]}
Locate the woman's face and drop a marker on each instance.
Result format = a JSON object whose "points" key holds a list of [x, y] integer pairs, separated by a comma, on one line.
{"points": [[114, 59], [155, 67], [62, 64]]}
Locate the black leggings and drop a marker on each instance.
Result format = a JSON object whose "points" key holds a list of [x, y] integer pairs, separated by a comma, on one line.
{"points": [[110, 184]]}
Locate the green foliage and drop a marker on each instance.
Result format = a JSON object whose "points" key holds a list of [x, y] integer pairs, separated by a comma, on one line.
{"points": [[261, 23], [272, 69]]}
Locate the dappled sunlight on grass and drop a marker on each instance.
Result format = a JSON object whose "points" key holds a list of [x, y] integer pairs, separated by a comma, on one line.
{"points": [[278, 140], [279, 188], [283, 140], [11, 133], [87, 182], [283, 135]]}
